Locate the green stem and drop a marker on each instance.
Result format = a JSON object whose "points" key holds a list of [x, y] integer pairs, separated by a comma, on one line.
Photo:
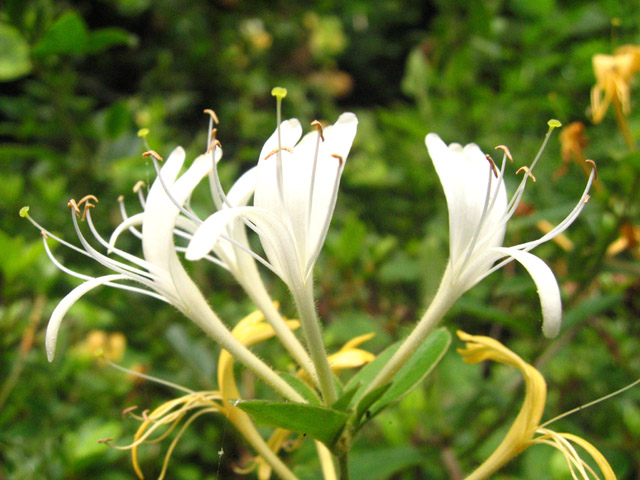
{"points": [[262, 300], [343, 462], [442, 302], [303, 296]]}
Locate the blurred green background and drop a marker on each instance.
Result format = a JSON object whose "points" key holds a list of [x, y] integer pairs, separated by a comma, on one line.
{"points": [[78, 79]]}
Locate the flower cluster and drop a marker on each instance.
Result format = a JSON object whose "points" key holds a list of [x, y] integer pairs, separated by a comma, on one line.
{"points": [[287, 200]]}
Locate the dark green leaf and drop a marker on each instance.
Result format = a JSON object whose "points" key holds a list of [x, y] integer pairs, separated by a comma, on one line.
{"points": [[14, 54], [370, 398], [366, 375], [105, 38], [321, 423]]}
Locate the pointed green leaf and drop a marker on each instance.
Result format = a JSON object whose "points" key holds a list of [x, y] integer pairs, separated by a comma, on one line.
{"points": [[344, 401], [321, 423], [366, 374], [369, 399], [67, 35], [14, 54], [301, 387], [412, 373]]}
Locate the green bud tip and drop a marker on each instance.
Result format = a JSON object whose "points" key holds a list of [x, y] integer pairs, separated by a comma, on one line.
{"points": [[24, 212], [553, 123], [143, 132], [279, 92]]}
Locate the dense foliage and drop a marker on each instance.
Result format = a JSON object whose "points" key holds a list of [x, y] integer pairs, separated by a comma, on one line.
{"points": [[79, 79]]}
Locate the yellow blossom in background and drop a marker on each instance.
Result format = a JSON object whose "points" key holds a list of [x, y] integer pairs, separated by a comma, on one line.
{"points": [[526, 429], [108, 345], [613, 77], [629, 239]]}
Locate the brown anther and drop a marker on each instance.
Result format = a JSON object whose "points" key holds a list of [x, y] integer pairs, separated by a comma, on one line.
{"points": [[214, 144], [290, 150], [318, 127], [105, 440], [340, 159], [73, 206], [86, 199], [145, 416], [128, 410], [593, 165], [121, 198], [154, 154], [138, 186], [506, 151], [214, 132], [527, 172], [587, 198], [493, 165], [213, 115], [44, 234]]}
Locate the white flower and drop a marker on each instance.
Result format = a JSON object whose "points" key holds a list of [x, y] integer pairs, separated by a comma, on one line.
{"points": [[295, 196], [159, 272], [478, 215]]}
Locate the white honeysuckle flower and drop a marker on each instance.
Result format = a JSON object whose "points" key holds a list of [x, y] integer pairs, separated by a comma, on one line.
{"points": [[154, 271], [160, 272], [478, 214], [295, 196]]}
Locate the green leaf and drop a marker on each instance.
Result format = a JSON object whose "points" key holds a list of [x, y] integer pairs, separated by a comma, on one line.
{"points": [[344, 401], [301, 387], [415, 370], [321, 423], [67, 35], [366, 374], [14, 54], [369, 400], [105, 38]]}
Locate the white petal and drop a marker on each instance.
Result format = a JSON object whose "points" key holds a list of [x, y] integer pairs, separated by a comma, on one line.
{"points": [[65, 304], [267, 195], [155, 238], [547, 285], [274, 235], [241, 191], [338, 141]]}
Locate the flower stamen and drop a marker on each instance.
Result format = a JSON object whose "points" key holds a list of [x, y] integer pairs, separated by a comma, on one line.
{"points": [[527, 171]]}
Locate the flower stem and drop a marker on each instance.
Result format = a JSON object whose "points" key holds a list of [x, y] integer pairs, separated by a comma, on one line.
{"points": [[303, 296], [442, 302], [262, 300], [343, 462]]}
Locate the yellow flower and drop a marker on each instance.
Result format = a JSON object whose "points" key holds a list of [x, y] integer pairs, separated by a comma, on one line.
{"points": [[526, 429], [249, 330], [613, 75]]}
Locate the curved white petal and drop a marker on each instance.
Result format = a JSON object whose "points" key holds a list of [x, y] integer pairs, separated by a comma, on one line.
{"points": [[276, 240], [241, 191], [155, 237], [547, 285], [65, 304]]}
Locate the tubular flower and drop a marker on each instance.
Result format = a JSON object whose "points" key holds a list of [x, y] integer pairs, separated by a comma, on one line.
{"points": [[478, 216], [159, 272], [168, 416], [294, 200], [526, 429]]}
